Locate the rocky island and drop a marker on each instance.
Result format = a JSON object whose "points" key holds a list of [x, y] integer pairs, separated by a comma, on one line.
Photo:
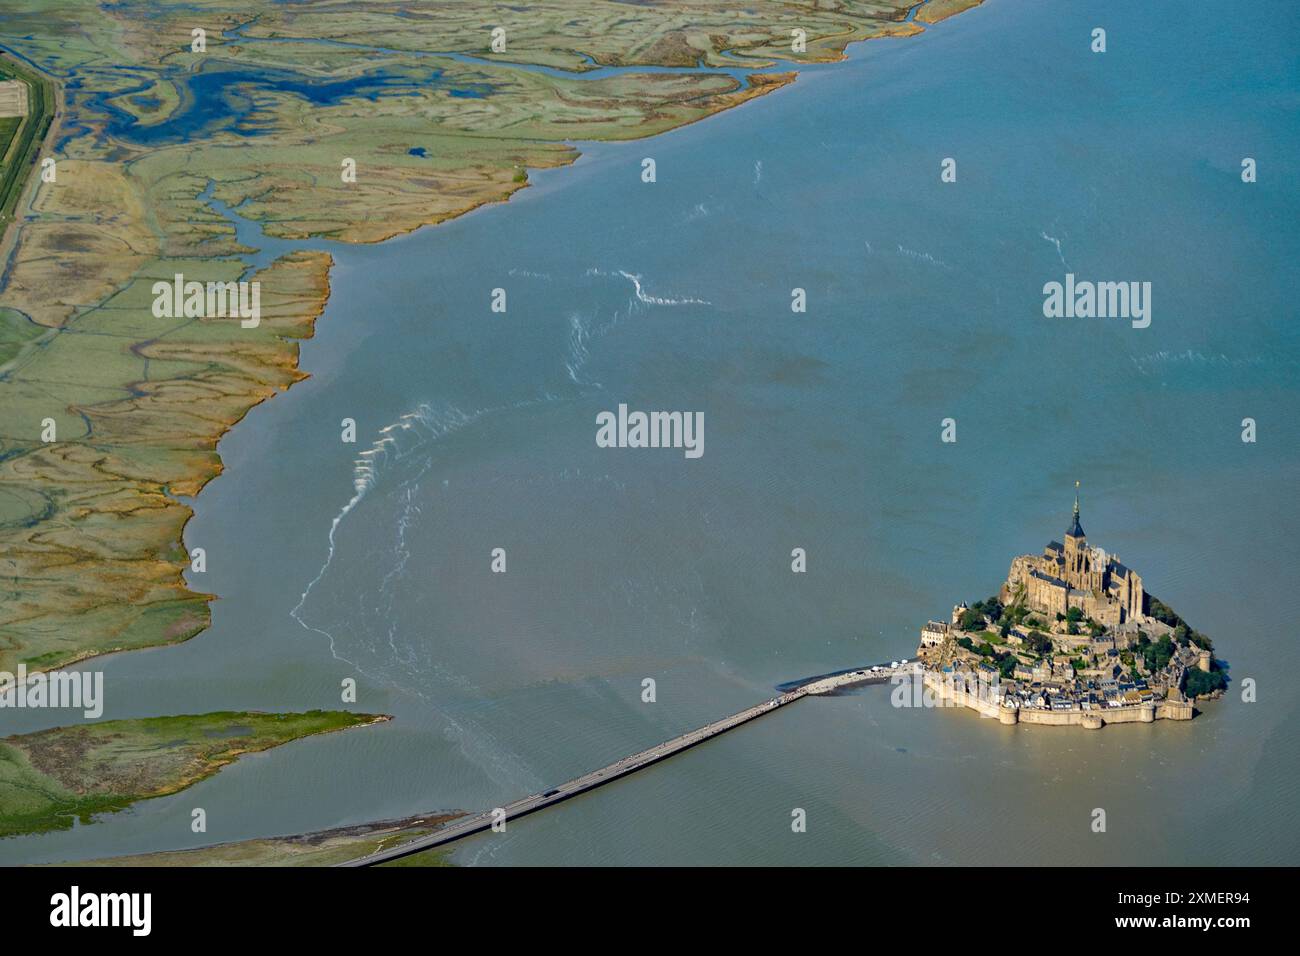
{"points": [[1072, 638]]}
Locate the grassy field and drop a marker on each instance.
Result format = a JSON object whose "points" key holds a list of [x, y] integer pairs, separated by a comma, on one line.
{"points": [[52, 778], [21, 139], [937, 10], [15, 333], [9, 126]]}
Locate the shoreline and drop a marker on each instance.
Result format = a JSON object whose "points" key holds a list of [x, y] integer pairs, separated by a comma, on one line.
{"points": [[286, 363], [945, 9], [314, 848], [759, 85]]}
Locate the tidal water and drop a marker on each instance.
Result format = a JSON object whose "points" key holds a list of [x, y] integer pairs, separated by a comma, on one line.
{"points": [[224, 99], [822, 431]]}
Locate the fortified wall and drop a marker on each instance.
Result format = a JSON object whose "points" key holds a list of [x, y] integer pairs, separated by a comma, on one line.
{"points": [[1088, 719]]}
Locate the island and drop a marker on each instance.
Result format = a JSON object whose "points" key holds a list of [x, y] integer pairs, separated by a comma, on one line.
{"points": [[1072, 638], [53, 778]]}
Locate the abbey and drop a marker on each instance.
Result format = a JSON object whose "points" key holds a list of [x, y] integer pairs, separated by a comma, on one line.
{"points": [[1075, 574], [1072, 638]]}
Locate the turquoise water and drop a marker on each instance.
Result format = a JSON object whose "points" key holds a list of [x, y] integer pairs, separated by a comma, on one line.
{"points": [[822, 432]]}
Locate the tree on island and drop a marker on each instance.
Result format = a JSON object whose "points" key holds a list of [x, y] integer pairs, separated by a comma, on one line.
{"points": [[983, 650], [1162, 612], [1014, 614], [1039, 643], [1184, 633], [1158, 654], [973, 618], [1197, 683]]}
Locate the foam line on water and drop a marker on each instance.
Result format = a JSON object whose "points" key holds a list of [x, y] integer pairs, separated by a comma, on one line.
{"points": [[1056, 242], [427, 426], [648, 299], [404, 439], [296, 613], [398, 441], [584, 329]]}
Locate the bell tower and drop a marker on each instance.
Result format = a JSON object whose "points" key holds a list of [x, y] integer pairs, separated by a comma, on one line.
{"points": [[1077, 558]]}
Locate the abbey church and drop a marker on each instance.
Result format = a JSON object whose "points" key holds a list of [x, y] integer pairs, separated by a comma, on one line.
{"points": [[1074, 574]]}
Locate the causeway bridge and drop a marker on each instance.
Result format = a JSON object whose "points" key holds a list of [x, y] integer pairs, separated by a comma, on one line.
{"points": [[478, 822]]}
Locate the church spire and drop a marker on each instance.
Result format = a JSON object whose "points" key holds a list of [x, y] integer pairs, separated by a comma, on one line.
{"points": [[1076, 529]]}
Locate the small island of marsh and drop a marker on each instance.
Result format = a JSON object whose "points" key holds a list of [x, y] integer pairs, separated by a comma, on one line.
{"points": [[51, 778], [1072, 638]]}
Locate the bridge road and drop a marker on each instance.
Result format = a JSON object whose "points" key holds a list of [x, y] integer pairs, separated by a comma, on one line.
{"points": [[477, 823], [458, 829]]}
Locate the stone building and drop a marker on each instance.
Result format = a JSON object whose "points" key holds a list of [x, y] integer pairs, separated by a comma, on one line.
{"points": [[935, 633], [1075, 574]]}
